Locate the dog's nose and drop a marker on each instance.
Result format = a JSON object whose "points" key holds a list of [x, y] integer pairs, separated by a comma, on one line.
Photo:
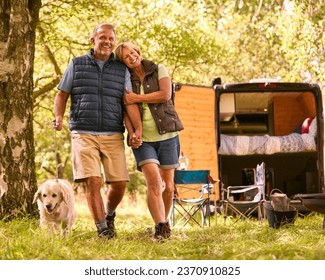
{"points": [[48, 206]]}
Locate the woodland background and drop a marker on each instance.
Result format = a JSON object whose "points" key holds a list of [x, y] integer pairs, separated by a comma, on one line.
{"points": [[198, 41]]}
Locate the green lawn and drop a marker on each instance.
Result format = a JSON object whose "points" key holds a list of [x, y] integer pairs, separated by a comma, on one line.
{"points": [[22, 239]]}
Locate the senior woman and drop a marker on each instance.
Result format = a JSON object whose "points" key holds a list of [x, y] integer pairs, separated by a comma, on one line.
{"points": [[158, 155]]}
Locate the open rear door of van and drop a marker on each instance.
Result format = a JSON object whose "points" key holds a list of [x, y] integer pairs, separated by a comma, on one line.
{"points": [[195, 107], [280, 124]]}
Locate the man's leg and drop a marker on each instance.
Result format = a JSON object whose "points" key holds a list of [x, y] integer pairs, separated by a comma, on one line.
{"points": [[95, 203], [114, 197], [94, 198], [115, 172]]}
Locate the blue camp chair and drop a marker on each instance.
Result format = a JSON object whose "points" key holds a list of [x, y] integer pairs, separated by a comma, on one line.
{"points": [[191, 201]]}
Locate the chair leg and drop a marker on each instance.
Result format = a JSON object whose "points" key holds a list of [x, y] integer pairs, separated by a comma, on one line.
{"points": [[242, 215], [185, 215], [175, 209], [225, 212], [188, 214], [262, 214], [207, 214]]}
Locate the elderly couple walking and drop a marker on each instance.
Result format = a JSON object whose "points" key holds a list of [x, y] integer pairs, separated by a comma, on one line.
{"points": [[110, 92]]}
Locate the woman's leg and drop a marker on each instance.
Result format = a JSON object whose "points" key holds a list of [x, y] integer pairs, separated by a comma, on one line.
{"points": [[154, 192], [168, 193]]}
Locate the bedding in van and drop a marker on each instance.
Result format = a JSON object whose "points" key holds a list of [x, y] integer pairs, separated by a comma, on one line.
{"points": [[266, 144]]}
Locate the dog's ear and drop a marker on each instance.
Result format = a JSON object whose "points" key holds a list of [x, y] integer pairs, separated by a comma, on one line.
{"points": [[65, 193], [39, 192], [37, 195]]}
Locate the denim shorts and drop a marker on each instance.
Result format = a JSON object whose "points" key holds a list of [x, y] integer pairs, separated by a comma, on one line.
{"points": [[164, 153]]}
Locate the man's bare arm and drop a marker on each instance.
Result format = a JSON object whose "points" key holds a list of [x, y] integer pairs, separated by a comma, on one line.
{"points": [[133, 115], [60, 103]]}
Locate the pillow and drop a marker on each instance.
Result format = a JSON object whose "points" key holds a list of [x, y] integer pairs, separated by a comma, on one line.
{"points": [[305, 125], [313, 128]]}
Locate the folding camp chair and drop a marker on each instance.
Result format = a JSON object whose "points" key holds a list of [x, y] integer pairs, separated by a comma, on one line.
{"points": [[192, 197], [245, 201]]}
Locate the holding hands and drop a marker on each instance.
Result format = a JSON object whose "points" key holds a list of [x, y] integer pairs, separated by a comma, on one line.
{"points": [[134, 140]]}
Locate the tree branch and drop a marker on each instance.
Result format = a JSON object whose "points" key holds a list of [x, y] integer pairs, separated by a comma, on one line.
{"points": [[46, 88], [257, 12], [51, 85]]}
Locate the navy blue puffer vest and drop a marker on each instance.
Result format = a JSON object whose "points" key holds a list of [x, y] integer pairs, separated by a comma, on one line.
{"points": [[97, 95]]}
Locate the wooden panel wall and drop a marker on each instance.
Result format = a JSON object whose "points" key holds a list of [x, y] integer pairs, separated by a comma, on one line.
{"points": [[289, 112], [287, 115], [195, 107], [307, 104]]}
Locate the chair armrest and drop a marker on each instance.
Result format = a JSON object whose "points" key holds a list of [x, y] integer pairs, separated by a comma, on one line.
{"points": [[241, 189]]}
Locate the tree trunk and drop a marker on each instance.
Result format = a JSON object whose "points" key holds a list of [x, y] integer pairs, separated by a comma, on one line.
{"points": [[18, 19]]}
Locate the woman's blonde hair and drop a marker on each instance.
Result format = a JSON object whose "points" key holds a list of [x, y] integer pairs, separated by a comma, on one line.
{"points": [[128, 45]]}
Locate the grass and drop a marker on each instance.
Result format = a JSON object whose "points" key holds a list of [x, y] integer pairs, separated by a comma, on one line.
{"points": [[22, 239]]}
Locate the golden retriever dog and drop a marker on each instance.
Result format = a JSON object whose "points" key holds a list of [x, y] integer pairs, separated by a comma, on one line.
{"points": [[55, 201]]}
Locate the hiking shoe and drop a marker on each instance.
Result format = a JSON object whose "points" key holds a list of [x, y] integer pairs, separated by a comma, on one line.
{"points": [[105, 233], [162, 231], [167, 230], [110, 225]]}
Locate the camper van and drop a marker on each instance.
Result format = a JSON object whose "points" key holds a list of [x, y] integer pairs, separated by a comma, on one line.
{"points": [[230, 128], [280, 124]]}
